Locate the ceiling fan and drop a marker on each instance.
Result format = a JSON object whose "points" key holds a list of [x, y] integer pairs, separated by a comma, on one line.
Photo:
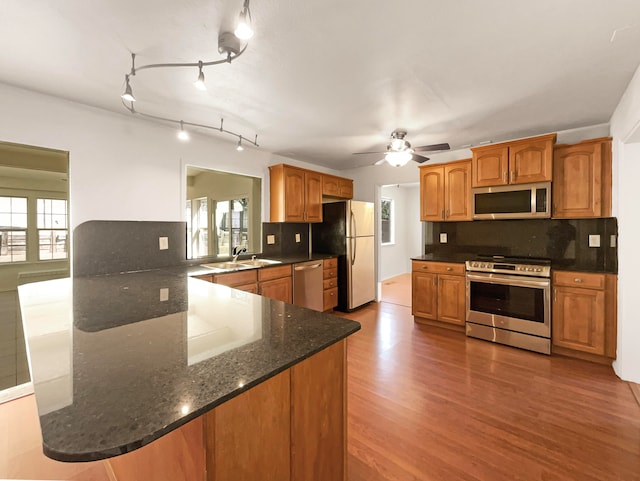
{"points": [[399, 150]]}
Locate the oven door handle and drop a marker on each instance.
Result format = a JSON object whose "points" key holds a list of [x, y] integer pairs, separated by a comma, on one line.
{"points": [[518, 281]]}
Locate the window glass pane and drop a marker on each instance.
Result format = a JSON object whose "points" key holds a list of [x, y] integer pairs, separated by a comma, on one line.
{"points": [[5, 204], [19, 221], [47, 219], [386, 220], [5, 220], [59, 206], [52, 244], [13, 246], [19, 204]]}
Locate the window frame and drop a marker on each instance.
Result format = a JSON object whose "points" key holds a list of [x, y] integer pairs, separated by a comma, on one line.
{"points": [[391, 221]]}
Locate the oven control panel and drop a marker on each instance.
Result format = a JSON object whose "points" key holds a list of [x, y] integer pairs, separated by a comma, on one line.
{"points": [[509, 268]]}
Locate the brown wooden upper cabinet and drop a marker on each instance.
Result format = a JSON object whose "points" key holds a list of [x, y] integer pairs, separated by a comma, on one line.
{"points": [[295, 194], [338, 187], [519, 162], [445, 191], [582, 179]]}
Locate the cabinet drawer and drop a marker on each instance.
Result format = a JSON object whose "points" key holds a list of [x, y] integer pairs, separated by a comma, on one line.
{"points": [[331, 263], [329, 273], [586, 280], [267, 273], [253, 287], [438, 267], [205, 277], [330, 283], [234, 279], [330, 298]]}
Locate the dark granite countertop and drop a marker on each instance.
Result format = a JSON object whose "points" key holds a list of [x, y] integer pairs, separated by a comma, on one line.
{"points": [[457, 257], [120, 360]]}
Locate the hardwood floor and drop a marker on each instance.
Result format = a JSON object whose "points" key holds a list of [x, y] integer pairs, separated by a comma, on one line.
{"points": [[397, 290], [430, 404]]}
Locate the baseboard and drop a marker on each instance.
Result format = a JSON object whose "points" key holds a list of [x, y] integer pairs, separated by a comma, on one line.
{"points": [[635, 389]]}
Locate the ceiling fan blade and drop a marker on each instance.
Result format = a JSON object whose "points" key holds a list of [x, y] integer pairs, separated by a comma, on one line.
{"points": [[419, 158], [380, 162], [376, 152], [432, 148]]}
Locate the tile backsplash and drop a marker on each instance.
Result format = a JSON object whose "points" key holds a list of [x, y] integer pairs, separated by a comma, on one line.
{"points": [[284, 236], [564, 241], [107, 247]]}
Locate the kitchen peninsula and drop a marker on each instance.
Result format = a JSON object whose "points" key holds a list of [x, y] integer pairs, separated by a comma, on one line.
{"points": [[207, 381]]}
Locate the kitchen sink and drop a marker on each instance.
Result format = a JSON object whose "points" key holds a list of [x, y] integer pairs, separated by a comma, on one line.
{"points": [[227, 266], [259, 262]]}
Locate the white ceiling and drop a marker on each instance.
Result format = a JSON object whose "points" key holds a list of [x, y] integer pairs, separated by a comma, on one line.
{"points": [[324, 78]]}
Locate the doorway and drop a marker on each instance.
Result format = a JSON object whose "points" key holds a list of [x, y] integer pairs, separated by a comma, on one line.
{"points": [[34, 244], [400, 239]]}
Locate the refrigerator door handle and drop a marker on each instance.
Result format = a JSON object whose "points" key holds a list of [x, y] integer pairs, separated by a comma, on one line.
{"points": [[353, 242], [307, 267], [353, 225]]}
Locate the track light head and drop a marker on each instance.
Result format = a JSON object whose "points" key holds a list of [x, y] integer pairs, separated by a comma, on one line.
{"points": [[128, 93], [243, 30], [239, 147], [183, 134], [199, 84]]}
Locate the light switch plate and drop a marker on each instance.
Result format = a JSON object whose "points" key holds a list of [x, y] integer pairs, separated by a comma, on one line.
{"points": [[271, 239], [163, 243], [164, 294], [297, 237], [594, 240], [443, 238]]}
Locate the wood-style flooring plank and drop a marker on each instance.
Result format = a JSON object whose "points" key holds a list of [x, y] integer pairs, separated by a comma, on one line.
{"points": [[431, 404]]}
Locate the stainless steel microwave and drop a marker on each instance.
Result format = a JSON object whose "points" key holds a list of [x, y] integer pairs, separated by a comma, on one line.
{"points": [[521, 201]]}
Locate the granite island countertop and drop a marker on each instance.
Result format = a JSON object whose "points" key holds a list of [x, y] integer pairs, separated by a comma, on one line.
{"points": [[120, 360]]}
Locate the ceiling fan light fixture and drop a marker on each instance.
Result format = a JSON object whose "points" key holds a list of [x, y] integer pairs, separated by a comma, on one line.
{"points": [[243, 30], [398, 159], [199, 84]]}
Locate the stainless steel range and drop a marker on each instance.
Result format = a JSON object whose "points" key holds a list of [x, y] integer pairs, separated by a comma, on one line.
{"points": [[509, 301]]}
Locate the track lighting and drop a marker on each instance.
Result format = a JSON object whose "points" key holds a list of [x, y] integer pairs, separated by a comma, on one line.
{"points": [[183, 134], [243, 30], [200, 85], [231, 45], [128, 93]]}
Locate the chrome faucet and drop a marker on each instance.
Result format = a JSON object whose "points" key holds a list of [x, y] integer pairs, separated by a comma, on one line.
{"points": [[237, 250]]}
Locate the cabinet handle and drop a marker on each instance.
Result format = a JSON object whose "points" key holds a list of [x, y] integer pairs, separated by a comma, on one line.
{"points": [[447, 214], [513, 175], [425, 267], [504, 176], [435, 281], [577, 280], [555, 294], [332, 294], [443, 214], [449, 269]]}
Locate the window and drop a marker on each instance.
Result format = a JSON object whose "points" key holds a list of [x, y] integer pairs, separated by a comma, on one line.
{"points": [[198, 227], [231, 219], [53, 229], [13, 229], [386, 216]]}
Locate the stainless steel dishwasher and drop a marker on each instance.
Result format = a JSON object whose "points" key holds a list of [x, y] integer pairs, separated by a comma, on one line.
{"points": [[307, 285]]}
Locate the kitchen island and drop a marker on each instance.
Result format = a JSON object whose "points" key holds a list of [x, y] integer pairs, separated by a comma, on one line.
{"points": [[171, 377]]}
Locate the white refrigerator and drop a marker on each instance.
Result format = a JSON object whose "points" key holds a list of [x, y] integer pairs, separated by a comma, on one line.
{"points": [[347, 231]]}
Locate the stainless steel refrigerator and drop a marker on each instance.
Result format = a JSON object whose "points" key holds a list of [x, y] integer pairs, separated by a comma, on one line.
{"points": [[347, 231]]}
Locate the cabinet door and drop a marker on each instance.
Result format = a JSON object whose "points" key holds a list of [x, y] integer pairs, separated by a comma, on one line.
{"points": [[490, 166], [330, 299], [579, 319], [530, 161], [313, 196], [278, 289], [294, 194], [451, 299], [424, 295], [431, 193], [330, 186], [346, 188], [457, 182], [577, 181]]}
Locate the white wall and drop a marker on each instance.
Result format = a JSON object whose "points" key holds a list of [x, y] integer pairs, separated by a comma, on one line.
{"points": [[625, 129], [122, 167], [395, 259]]}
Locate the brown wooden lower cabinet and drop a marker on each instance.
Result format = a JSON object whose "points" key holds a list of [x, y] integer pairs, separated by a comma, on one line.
{"points": [[438, 293], [584, 317], [291, 427], [272, 282], [330, 283]]}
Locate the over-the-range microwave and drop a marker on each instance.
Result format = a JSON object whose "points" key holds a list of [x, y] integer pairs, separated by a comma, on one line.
{"points": [[522, 201]]}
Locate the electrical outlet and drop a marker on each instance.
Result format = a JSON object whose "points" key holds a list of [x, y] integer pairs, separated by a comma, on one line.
{"points": [[594, 240], [612, 240], [443, 238], [164, 294], [297, 237], [271, 239], [163, 242]]}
